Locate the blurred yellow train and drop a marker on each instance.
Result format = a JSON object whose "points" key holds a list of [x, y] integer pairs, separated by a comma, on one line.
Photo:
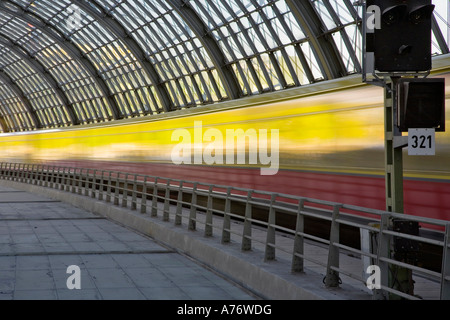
{"points": [[330, 144]]}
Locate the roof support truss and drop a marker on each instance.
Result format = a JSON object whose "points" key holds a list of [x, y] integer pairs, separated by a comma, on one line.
{"points": [[321, 42], [119, 31], [192, 19], [71, 49], [45, 74], [19, 93]]}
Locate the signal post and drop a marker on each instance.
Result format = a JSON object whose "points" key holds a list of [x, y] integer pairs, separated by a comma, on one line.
{"points": [[397, 56]]}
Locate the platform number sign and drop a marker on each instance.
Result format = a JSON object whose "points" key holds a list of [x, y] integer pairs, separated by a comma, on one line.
{"points": [[421, 142]]}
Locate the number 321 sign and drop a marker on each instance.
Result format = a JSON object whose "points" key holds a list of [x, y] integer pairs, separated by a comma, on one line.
{"points": [[421, 142]]}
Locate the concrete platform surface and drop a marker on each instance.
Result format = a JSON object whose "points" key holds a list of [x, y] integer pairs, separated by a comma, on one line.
{"points": [[124, 254], [48, 249]]}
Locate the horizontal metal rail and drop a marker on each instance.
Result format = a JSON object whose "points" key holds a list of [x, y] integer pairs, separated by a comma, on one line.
{"points": [[198, 204]]}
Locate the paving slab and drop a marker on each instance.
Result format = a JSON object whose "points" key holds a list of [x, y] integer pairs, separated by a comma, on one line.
{"points": [[94, 242], [41, 239]]}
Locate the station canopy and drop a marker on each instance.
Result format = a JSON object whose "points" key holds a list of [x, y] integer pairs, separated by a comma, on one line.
{"points": [[66, 63]]}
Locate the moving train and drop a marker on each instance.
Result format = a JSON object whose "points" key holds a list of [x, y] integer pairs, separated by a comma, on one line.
{"points": [[324, 141]]}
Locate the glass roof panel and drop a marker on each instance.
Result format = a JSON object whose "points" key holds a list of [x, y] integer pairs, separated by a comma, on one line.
{"points": [[68, 62]]}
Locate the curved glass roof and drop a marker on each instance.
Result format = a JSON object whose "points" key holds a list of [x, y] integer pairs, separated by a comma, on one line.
{"points": [[70, 62]]}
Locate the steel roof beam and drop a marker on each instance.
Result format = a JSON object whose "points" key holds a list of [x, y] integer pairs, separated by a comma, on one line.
{"points": [[321, 42], [71, 49], [106, 19], [20, 94], [439, 36], [4, 125], [40, 69], [344, 35], [354, 13], [197, 26]]}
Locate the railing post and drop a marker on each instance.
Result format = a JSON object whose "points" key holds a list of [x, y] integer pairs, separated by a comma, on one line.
{"points": [[108, 188], [16, 165], [80, 182], [34, 178], [86, 184], [3, 170], [40, 175], [209, 216], [247, 232], [226, 232], [166, 210], [10, 171], [25, 173], [46, 178], [179, 212], [192, 224], [270, 240], [14, 173], [19, 173], [53, 183], [63, 179], [73, 185], [297, 257], [101, 185], [31, 175], [56, 183], [13, 170], [154, 212], [52, 176], [383, 251], [445, 273], [144, 196], [35, 174], [94, 184], [68, 180], [125, 192], [133, 195], [332, 278], [21, 170], [116, 189]]}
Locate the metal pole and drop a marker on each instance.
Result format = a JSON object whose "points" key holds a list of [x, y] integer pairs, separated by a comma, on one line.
{"points": [[394, 154], [399, 278]]}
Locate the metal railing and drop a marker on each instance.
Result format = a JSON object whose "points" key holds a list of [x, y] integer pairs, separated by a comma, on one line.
{"points": [[198, 203]]}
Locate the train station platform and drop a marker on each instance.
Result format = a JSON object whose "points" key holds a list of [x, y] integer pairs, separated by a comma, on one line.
{"points": [[44, 232], [41, 238]]}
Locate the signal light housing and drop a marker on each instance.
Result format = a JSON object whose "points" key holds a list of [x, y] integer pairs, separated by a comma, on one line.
{"points": [[395, 14], [403, 41], [421, 103]]}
